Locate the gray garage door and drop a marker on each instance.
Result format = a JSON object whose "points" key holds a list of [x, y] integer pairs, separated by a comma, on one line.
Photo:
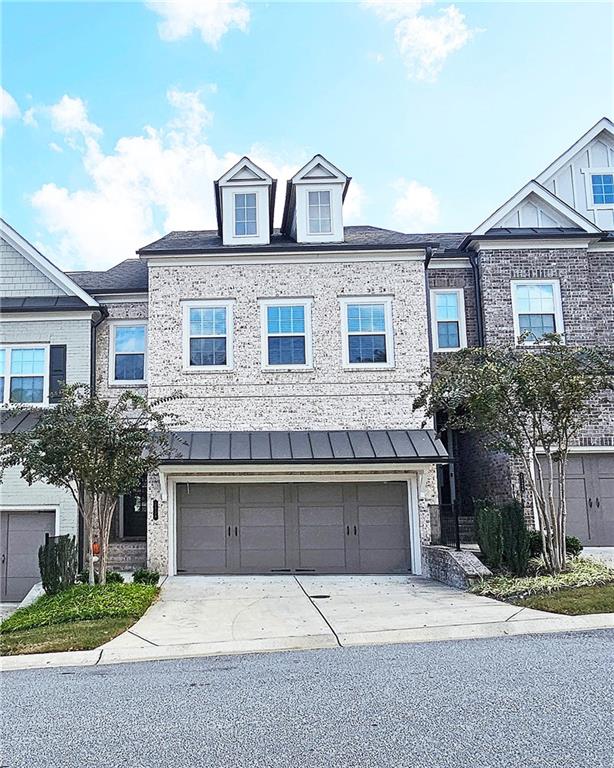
{"points": [[21, 534], [292, 528], [590, 498]]}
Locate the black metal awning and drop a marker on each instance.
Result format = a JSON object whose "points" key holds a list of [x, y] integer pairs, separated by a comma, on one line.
{"points": [[312, 447]]}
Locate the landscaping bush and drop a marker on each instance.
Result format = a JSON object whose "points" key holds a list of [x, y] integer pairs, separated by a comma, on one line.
{"points": [[57, 561], [145, 576], [515, 538], [488, 532], [83, 602], [580, 573], [113, 577], [573, 545]]}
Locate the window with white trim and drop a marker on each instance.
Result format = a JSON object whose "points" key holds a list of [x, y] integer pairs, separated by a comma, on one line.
{"points": [[602, 185], [448, 319], [286, 333], [128, 352], [367, 332], [319, 212], [24, 373], [537, 309], [245, 214], [207, 335]]}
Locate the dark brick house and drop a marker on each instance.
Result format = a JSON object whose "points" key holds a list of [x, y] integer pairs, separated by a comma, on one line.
{"points": [[543, 262]]}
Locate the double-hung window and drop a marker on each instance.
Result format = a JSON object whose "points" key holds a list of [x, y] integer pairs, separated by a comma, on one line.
{"points": [[537, 309], [207, 328], [24, 373], [448, 319], [319, 212], [245, 214], [367, 332], [286, 333], [602, 185], [128, 350]]}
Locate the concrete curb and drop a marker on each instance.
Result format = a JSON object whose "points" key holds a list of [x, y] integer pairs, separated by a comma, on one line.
{"points": [[104, 655]]}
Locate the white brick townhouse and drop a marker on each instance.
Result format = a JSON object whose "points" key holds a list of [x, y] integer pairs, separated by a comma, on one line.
{"points": [[298, 353]]}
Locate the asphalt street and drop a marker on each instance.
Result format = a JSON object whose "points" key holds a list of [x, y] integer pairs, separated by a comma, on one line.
{"points": [[516, 702]]}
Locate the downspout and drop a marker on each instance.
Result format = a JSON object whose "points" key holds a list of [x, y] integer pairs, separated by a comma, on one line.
{"points": [[477, 288], [104, 312]]}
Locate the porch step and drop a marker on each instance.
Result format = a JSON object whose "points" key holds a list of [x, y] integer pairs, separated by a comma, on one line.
{"points": [[127, 555]]}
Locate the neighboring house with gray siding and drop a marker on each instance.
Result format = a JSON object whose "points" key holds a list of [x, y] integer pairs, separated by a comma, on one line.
{"points": [[45, 339]]}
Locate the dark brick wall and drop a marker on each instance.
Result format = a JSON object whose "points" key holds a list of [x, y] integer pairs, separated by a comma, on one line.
{"points": [[457, 278]]}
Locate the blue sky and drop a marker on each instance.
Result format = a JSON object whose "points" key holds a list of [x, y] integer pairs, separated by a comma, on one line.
{"points": [[118, 116]]}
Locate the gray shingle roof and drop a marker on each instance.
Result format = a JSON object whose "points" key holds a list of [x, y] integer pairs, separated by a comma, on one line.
{"points": [[396, 445], [41, 303], [356, 238], [129, 276]]}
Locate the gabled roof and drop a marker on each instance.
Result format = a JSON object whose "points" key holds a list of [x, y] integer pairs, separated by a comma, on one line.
{"points": [[605, 124], [244, 173], [129, 276], [42, 263], [317, 170], [574, 218]]}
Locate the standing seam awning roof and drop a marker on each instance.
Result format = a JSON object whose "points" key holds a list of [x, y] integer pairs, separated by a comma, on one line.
{"points": [[339, 446]]}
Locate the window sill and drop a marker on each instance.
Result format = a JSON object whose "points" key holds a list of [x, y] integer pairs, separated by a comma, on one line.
{"points": [[367, 367], [124, 384], [207, 369], [287, 368]]}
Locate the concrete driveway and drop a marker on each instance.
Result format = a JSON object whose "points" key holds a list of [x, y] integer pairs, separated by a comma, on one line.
{"points": [[248, 613]]}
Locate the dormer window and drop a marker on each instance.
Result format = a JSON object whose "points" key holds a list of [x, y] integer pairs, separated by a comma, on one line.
{"points": [[245, 215], [245, 201], [319, 212]]}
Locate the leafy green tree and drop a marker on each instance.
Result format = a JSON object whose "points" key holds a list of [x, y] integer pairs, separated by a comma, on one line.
{"points": [[95, 449], [528, 402]]}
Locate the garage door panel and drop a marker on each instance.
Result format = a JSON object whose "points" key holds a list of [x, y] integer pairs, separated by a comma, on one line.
{"points": [[261, 494], [204, 560], [261, 561], [199, 494], [326, 516], [320, 494], [263, 537], [194, 516], [373, 494], [22, 535], [383, 560], [324, 560], [379, 537], [322, 537], [205, 537], [261, 516], [370, 516]]}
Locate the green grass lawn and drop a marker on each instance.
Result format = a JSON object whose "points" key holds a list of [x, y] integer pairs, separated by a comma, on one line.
{"points": [[573, 602], [80, 618]]}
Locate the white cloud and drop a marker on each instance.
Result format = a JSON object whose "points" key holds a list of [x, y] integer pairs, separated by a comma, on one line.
{"points": [[69, 116], [55, 147], [212, 18], [9, 109], [417, 207], [148, 185], [424, 42]]}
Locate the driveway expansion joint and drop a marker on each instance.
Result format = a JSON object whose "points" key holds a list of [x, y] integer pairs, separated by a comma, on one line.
{"points": [[326, 621]]}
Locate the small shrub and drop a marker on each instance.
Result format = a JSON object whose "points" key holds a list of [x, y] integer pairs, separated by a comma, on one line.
{"points": [[488, 532], [580, 573], [113, 577], [145, 576], [573, 545], [515, 538], [57, 561]]}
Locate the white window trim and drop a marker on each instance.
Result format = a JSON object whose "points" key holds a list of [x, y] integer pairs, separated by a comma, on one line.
{"points": [[462, 328], [113, 324], [264, 334], [7, 374], [388, 332], [558, 310], [588, 184], [228, 304], [234, 214], [318, 188]]}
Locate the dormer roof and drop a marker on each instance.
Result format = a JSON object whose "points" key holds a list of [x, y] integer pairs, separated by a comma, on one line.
{"points": [[317, 171], [244, 173]]}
